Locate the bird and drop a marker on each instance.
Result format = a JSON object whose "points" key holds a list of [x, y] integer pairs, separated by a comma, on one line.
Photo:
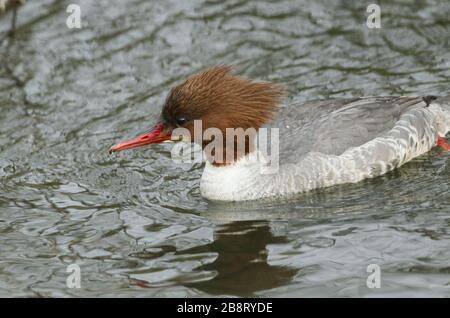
{"points": [[319, 143]]}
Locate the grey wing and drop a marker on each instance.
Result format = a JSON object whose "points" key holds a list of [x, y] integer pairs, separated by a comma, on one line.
{"points": [[333, 126]]}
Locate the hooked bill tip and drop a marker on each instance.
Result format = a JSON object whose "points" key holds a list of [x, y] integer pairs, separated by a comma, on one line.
{"points": [[112, 149]]}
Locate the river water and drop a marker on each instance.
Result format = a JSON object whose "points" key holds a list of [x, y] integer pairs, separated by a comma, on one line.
{"points": [[135, 222]]}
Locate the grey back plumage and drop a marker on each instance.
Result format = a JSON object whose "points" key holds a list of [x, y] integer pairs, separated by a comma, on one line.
{"points": [[333, 126]]}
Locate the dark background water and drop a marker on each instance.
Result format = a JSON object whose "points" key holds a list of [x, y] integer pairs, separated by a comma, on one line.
{"points": [[135, 222]]}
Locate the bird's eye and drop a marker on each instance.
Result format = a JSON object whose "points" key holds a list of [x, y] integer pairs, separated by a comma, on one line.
{"points": [[181, 121]]}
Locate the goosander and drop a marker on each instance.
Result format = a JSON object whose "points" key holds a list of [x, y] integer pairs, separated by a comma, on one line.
{"points": [[322, 142]]}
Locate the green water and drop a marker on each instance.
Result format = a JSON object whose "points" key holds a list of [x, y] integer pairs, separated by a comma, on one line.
{"points": [[135, 222]]}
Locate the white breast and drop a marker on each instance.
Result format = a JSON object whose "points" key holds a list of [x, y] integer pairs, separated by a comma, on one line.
{"points": [[412, 135]]}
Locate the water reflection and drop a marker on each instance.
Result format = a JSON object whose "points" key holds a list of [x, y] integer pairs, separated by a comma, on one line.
{"points": [[67, 95], [242, 265]]}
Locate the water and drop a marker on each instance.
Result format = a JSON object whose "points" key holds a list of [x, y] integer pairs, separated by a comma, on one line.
{"points": [[135, 222]]}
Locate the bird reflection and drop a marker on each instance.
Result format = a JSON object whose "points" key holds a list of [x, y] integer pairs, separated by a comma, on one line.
{"points": [[241, 266]]}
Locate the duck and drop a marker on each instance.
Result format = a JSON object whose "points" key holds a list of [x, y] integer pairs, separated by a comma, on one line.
{"points": [[316, 144]]}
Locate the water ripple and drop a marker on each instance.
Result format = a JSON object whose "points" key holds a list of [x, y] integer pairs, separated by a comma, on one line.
{"points": [[136, 223]]}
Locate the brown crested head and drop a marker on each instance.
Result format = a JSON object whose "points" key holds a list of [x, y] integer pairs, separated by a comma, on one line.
{"points": [[221, 100]]}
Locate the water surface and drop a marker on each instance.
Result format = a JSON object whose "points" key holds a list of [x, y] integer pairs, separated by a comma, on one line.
{"points": [[135, 222]]}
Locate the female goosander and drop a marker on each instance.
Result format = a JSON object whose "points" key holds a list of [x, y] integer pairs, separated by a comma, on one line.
{"points": [[321, 143]]}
